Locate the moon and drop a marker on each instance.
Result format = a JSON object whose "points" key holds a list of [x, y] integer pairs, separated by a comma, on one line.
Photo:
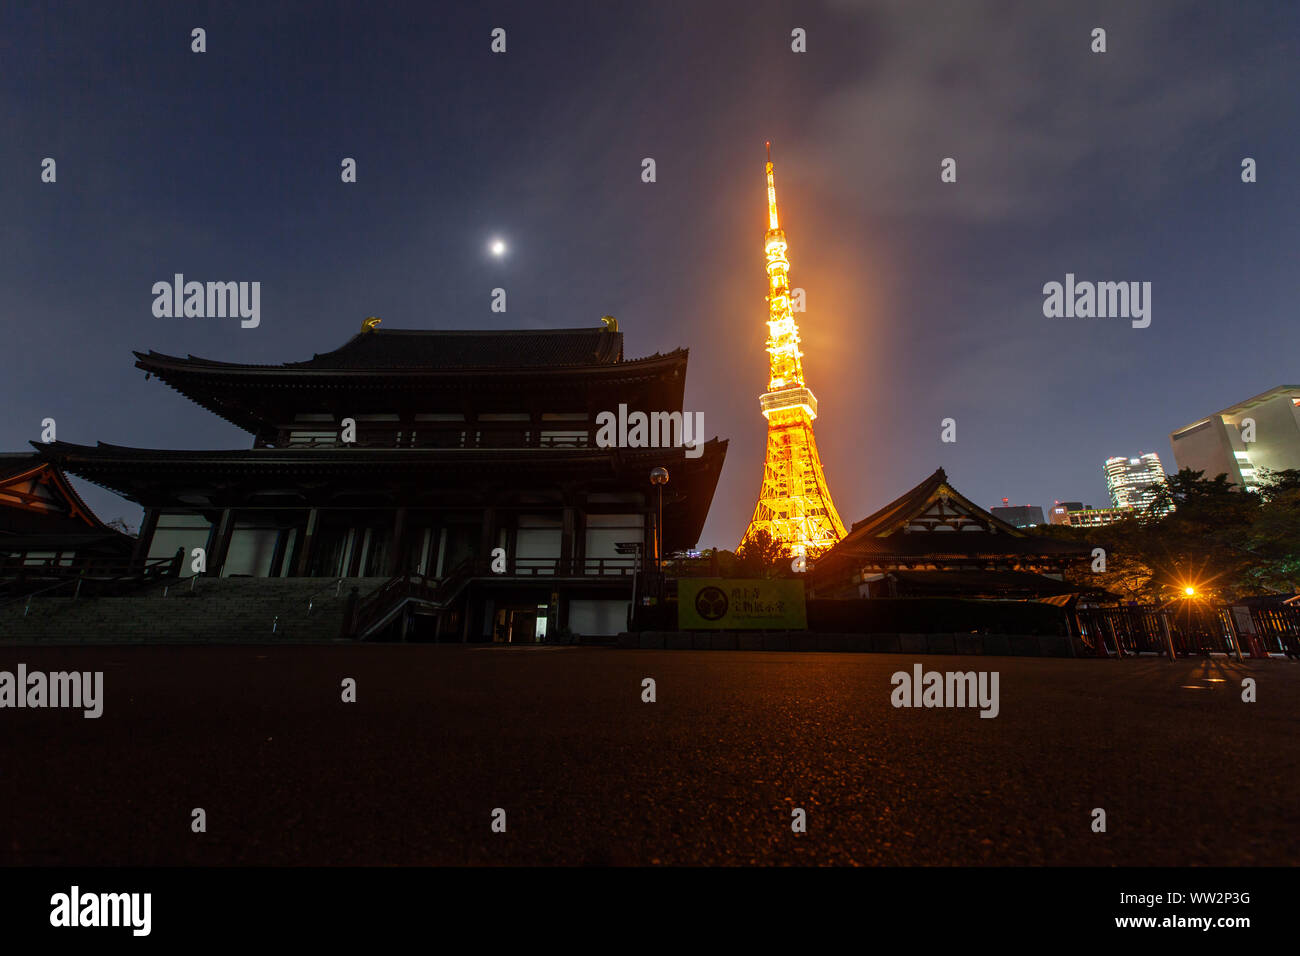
{"points": [[497, 247]]}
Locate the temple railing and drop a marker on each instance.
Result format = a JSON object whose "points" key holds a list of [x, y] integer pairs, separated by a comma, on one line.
{"points": [[370, 612], [561, 568], [453, 435], [94, 575], [374, 610]]}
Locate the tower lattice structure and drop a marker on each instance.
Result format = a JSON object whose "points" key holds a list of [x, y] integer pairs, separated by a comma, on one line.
{"points": [[794, 502]]}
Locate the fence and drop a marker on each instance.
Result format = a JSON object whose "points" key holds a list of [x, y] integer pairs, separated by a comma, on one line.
{"points": [[1196, 629]]}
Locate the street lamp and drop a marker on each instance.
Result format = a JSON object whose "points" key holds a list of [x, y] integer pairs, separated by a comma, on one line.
{"points": [[659, 478], [1189, 594]]}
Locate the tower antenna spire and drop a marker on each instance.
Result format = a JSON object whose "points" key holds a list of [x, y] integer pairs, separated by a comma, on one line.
{"points": [[773, 223]]}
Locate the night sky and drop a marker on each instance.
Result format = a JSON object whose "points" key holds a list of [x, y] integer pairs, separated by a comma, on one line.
{"points": [[924, 298]]}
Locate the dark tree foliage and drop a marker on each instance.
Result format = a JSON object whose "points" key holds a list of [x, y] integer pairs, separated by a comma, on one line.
{"points": [[762, 557], [1224, 542]]}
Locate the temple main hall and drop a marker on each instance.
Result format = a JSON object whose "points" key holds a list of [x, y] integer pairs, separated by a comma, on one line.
{"points": [[457, 470]]}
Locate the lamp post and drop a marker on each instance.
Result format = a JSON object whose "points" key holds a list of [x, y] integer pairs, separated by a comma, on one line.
{"points": [[659, 478]]}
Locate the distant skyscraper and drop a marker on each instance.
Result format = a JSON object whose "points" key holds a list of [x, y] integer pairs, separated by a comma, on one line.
{"points": [[1061, 511], [1096, 517], [1078, 515], [1020, 516], [1134, 482], [1225, 443]]}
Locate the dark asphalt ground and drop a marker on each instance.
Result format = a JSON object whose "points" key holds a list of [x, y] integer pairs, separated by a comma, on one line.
{"points": [[588, 774]]}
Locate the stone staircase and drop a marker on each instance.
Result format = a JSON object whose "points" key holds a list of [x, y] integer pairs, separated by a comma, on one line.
{"points": [[216, 610]]}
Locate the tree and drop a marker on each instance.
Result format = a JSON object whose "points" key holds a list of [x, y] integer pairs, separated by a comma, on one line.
{"points": [[119, 524], [1127, 575], [761, 556], [1201, 533], [1274, 535]]}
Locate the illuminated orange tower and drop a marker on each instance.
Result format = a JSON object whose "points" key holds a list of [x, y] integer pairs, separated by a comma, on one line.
{"points": [[794, 503]]}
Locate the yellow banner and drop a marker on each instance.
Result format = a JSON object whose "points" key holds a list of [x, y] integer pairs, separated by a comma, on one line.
{"points": [[741, 604]]}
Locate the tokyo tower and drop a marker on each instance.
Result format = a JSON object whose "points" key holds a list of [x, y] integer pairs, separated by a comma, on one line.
{"points": [[794, 503]]}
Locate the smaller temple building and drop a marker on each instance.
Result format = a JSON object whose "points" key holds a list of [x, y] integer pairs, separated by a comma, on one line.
{"points": [[933, 541], [45, 527]]}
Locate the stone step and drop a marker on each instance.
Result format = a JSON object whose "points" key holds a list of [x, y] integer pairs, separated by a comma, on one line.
{"points": [[214, 610]]}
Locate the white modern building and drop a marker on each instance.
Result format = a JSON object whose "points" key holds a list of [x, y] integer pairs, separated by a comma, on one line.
{"points": [[1260, 433]]}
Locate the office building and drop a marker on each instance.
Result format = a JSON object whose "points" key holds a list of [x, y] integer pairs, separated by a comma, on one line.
{"points": [[1244, 439], [1134, 482]]}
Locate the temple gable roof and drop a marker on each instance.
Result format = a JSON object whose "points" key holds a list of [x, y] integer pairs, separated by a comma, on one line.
{"points": [[36, 497], [934, 519], [932, 503]]}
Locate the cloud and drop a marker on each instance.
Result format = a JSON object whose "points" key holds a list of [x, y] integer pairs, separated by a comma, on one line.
{"points": [[1013, 92]]}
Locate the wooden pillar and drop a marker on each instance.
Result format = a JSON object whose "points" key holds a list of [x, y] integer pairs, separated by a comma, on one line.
{"points": [[221, 544], [149, 525], [277, 553], [307, 547], [465, 614], [487, 542], [358, 533], [395, 563], [348, 629], [567, 532]]}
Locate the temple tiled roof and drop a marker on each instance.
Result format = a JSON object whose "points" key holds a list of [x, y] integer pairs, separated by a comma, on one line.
{"points": [[955, 544], [473, 349], [404, 367], [18, 462], [970, 582], [388, 349]]}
